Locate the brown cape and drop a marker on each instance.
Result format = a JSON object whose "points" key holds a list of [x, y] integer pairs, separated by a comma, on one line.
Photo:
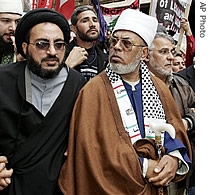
{"points": [[101, 159]]}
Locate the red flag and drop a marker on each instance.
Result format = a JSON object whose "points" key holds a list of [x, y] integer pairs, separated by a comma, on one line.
{"points": [[65, 7], [45, 4], [34, 4]]}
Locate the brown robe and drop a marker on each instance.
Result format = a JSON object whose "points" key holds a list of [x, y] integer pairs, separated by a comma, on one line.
{"points": [[101, 159]]}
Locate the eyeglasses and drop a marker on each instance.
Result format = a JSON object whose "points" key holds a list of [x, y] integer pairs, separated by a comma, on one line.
{"points": [[126, 44], [44, 45], [165, 51]]}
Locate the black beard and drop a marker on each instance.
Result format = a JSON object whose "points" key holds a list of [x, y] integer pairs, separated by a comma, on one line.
{"points": [[6, 48], [84, 37], [41, 72]]}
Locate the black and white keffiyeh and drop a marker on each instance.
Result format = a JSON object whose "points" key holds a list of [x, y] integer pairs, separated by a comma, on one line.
{"points": [[152, 107], [151, 101]]}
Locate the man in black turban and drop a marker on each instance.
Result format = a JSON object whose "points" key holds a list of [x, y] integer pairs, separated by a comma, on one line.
{"points": [[37, 98], [38, 16]]}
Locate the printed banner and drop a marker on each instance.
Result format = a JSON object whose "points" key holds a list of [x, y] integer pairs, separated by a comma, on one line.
{"points": [[169, 13], [111, 13]]}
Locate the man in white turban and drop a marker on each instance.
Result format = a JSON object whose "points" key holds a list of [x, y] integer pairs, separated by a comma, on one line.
{"points": [[111, 145], [10, 14]]}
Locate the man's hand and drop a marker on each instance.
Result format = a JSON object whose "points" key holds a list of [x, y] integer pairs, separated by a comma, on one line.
{"points": [[186, 26], [76, 56], [5, 175], [162, 172]]}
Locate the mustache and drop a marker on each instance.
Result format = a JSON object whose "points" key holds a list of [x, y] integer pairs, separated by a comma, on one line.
{"points": [[92, 28], [50, 57], [10, 34]]}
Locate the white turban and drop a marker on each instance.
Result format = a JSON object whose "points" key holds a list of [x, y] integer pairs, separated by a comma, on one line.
{"points": [[11, 6], [142, 24]]}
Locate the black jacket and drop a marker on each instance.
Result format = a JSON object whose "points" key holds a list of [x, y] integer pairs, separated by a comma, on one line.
{"points": [[102, 58], [34, 144], [189, 74]]}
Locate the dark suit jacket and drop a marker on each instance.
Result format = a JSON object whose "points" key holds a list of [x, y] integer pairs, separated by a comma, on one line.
{"points": [[189, 74]]}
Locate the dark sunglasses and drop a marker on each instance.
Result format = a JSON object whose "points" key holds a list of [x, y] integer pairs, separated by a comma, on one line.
{"points": [[44, 45]]}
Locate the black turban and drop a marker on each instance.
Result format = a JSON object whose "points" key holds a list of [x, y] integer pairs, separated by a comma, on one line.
{"points": [[37, 16]]}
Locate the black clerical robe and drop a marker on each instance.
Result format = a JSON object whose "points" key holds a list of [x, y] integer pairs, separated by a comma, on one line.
{"points": [[34, 144]]}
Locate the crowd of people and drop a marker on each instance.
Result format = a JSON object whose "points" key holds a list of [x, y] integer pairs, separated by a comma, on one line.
{"points": [[76, 119]]}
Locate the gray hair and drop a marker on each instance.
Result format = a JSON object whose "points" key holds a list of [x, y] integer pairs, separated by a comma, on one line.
{"points": [[162, 35]]}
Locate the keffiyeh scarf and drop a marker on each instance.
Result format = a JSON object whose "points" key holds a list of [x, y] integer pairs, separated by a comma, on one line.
{"points": [[152, 107], [7, 59]]}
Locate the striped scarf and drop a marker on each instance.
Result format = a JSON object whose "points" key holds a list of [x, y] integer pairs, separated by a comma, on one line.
{"points": [[152, 107]]}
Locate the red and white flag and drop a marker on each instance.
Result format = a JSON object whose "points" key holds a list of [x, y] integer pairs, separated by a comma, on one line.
{"points": [[65, 7], [45, 4], [111, 11]]}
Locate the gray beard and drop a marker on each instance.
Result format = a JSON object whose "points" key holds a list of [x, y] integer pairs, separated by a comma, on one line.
{"points": [[125, 69], [162, 71]]}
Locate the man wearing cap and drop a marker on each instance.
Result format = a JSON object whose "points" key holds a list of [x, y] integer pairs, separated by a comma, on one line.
{"points": [[37, 98], [10, 14], [111, 146]]}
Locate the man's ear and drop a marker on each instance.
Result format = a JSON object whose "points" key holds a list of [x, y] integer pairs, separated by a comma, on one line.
{"points": [[145, 54], [24, 46], [74, 29]]}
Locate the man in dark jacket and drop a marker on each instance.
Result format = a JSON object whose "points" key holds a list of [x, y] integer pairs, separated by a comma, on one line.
{"points": [[36, 102], [189, 74], [161, 56], [83, 54]]}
